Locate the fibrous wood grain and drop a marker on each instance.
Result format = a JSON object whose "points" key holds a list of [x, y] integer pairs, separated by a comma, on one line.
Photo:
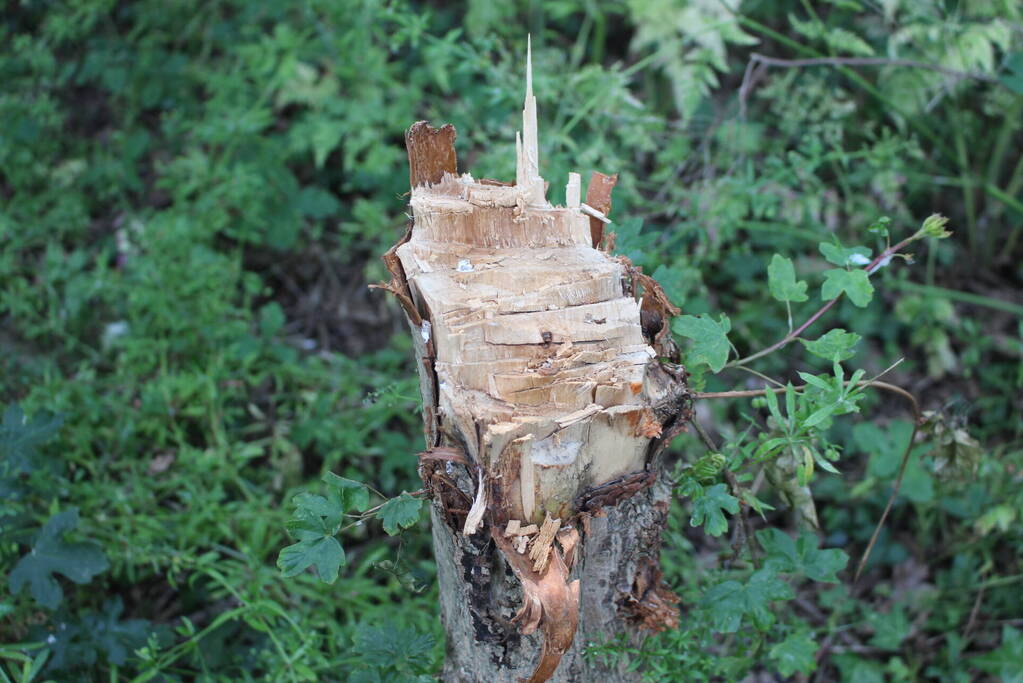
{"points": [[534, 366]]}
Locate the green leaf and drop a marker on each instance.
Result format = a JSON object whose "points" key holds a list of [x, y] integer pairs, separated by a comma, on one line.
{"points": [[854, 668], [854, 283], [315, 202], [323, 552], [631, 241], [886, 448], [844, 257], [317, 513], [1004, 661], [710, 339], [781, 280], [353, 494], [836, 345], [50, 555], [707, 509], [729, 602], [400, 513], [271, 319], [1012, 77], [795, 654], [392, 644], [889, 629], [880, 227], [677, 282], [20, 436], [801, 556]]}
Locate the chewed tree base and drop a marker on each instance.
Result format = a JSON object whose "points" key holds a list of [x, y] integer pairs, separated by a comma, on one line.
{"points": [[549, 392]]}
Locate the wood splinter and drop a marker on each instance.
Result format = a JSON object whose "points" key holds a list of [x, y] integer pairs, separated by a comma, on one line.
{"points": [[539, 390]]}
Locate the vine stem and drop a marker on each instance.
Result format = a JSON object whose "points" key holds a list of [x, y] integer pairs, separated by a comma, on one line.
{"points": [[753, 393], [917, 420], [881, 259], [363, 516]]}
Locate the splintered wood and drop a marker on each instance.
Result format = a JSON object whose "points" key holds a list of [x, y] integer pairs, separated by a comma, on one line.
{"points": [[542, 544], [532, 356]]}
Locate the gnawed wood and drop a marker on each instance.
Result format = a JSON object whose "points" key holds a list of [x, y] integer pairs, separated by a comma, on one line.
{"points": [[541, 373], [544, 543]]}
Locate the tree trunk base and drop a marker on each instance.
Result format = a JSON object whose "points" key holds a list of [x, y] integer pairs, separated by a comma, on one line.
{"points": [[620, 595]]}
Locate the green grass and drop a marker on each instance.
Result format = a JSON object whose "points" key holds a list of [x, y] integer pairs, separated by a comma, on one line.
{"points": [[194, 195]]}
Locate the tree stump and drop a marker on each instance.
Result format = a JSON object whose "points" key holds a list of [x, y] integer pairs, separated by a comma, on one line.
{"points": [[548, 394]]}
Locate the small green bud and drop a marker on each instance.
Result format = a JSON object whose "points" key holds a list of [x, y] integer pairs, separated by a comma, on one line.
{"points": [[707, 468], [934, 226]]}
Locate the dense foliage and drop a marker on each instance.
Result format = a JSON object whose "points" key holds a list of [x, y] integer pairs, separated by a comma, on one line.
{"points": [[195, 194]]}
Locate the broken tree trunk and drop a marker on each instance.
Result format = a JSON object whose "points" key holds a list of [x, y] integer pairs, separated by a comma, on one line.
{"points": [[546, 401]]}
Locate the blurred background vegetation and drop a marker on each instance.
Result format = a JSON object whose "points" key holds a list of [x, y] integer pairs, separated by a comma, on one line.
{"points": [[194, 196]]}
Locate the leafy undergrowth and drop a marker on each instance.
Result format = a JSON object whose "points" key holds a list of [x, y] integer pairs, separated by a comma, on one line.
{"points": [[195, 194]]}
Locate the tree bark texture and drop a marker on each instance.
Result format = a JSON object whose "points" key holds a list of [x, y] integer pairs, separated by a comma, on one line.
{"points": [[549, 392]]}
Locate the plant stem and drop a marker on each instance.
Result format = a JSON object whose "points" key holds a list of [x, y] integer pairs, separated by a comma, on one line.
{"points": [[917, 419], [753, 393], [869, 61], [883, 257]]}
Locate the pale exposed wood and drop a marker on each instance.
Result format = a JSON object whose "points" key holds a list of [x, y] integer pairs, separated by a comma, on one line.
{"points": [[533, 363], [543, 543], [474, 520]]}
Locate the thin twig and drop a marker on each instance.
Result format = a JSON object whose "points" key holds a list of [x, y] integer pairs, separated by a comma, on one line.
{"points": [[871, 267], [869, 61], [753, 393], [968, 631]]}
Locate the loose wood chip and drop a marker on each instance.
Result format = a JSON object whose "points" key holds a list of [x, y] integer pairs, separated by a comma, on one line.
{"points": [[594, 213], [513, 528], [475, 517], [521, 543], [528, 530], [541, 550]]}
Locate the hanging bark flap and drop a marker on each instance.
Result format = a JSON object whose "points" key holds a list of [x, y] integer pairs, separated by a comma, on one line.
{"points": [[598, 195], [431, 153], [550, 602], [398, 286]]}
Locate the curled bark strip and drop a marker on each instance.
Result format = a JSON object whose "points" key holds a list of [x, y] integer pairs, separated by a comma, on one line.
{"points": [[431, 153], [549, 602], [398, 286], [598, 195], [446, 454]]}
